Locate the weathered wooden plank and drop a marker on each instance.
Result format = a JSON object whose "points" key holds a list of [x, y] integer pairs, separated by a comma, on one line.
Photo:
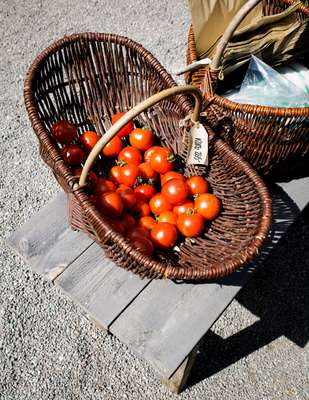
{"points": [[179, 379], [46, 242], [69, 246], [168, 319], [53, 250], [99, 286]]}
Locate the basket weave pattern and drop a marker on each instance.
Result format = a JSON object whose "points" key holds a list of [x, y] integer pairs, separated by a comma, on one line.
{"points": [[86, 78]]}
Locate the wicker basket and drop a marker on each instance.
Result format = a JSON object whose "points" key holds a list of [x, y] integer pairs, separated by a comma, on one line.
{"points": [[274, 140], [86, 78]]}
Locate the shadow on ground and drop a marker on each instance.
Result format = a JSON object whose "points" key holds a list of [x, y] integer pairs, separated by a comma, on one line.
{"points": [[277, 294]]}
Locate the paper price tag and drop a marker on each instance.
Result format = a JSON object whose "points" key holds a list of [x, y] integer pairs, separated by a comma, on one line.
{"points": [[198, 151]]}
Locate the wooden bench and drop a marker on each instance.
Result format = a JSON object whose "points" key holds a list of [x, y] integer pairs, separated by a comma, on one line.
{"points": [[162, 321]]}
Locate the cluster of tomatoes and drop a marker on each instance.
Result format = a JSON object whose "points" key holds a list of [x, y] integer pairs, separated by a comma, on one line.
{"points": [[143, 197]]}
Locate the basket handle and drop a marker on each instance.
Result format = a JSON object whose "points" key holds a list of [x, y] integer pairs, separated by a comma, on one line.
{"points": [[233, 25], [134, 112]]}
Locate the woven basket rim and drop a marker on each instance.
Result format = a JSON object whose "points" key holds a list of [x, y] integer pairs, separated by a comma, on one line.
{"points": [[230, 265]]}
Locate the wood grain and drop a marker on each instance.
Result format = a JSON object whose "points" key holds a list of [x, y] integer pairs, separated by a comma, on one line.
{"points": [[99, 286], [168, 319], [46, 242]]}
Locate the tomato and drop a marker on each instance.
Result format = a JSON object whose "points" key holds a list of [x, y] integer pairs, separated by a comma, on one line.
{"points": [[128, 174], [163, 235], [128, 196], [113, 147], [89, 139], [197, 185], [73, 154], [141, 209], [110, 204], [184, 207], [92, 178], [116, 225], [148, 153], [146, 222], [64, 132], [144, 245], [175, 191], [146, 172], [128, 221], [130, 155], [116, 173], [168, 216], [208, 205], [127, 129], [158, 203], [137, 232], [104, 185], [141, 138], [144, 192], [162, 160], [171, 175], [190, 225]]}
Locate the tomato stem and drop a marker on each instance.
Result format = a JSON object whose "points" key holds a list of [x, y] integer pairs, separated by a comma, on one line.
{"points": [[171, 158], [139, 180]]}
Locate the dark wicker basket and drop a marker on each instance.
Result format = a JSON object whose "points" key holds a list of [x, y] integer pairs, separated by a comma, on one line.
{"points": [[86, 78], [273, 140]]}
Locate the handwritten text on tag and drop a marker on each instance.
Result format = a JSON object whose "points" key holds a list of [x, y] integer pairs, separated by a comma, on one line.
{"points": [[198, 153]]}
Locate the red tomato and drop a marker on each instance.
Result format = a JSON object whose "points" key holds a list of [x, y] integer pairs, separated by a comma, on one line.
{"points": [[149, 152], [162, 160], [92, 178], [130, 155], [163, 235], [137, 232], [141, 138], [175, 191], [190, 225], [128, 221], [116, 225], [171, 175], [147, 222], [141, 209], [128, 196], [207, 205], [113, 147], [89, 139], [144, 192], [110, 204], [184, 207], [64, 132], [128, 174], [73, 154], [168, 216], [144, 245], [197, 185], [158, 203], [127, 129], [104, 185], [146, 172], [116, 173]]}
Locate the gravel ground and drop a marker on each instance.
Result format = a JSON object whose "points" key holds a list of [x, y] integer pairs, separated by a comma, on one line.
{"points": [[48, 348]]}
